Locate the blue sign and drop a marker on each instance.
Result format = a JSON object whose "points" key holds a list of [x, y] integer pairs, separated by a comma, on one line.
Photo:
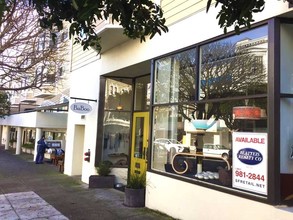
{"points": [[249, 156]]}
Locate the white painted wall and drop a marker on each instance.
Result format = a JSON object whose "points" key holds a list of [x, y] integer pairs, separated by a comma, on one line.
{"points": [[187, 201], [195, 29], [36, 119], [176, 198], [84, 85]]}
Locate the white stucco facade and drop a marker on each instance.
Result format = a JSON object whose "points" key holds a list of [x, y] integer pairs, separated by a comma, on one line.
{"points": [[82, 129], [176, 198]]}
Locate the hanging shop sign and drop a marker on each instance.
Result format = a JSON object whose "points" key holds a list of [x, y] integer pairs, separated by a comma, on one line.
{"points": [[250, 162], [81, 108]]}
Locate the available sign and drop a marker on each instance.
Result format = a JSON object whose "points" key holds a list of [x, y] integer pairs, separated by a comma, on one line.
{"points": [[81, 108], [250, 161]]}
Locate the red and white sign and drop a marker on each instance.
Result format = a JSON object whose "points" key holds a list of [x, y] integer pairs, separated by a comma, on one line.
{"points": [[250, 161]]}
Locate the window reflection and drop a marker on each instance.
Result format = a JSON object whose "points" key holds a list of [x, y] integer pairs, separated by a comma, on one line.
{"points": [[234, 68], [142, 93], [116, 137], [118, 94], [180, 129], [193, 135], [175, 78], [117, 114]]}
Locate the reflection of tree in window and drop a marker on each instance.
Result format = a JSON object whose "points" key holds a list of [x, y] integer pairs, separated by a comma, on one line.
{"points": [[227, 71], [175, 78]]}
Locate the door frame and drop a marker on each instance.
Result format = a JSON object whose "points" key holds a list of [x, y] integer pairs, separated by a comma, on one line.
{"points": [[139, 164]]}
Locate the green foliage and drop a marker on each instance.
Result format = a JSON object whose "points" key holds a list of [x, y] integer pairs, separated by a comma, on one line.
{"points": [[29, 145], [139, 18], [4, 104], [11, 141], [237, 12], [137, 181], [104, 168]]}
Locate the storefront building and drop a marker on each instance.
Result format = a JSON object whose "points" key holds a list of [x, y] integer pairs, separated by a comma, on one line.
{"points": [[207, 115]]}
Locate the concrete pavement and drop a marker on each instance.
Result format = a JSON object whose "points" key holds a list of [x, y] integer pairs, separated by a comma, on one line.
{"points": [[30, 191]]}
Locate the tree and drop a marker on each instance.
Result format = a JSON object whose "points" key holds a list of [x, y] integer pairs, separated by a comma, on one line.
{"points": [[28, 57], [139, 18], [4, 104], [237, 13]]}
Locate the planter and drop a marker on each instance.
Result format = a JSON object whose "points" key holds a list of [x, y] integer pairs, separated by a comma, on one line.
{"points": [[96, 181], [29, 151], [134, 197]]}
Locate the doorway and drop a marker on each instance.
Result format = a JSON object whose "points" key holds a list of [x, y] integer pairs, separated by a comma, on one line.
{"points": [[139, 146]]}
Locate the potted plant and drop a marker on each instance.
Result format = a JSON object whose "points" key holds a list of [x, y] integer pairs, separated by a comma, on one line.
{"points": [[135, 190], [104, 179]]}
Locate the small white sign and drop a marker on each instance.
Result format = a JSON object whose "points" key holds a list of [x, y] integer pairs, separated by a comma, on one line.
{"points": [[81, 108], [250, 161]]}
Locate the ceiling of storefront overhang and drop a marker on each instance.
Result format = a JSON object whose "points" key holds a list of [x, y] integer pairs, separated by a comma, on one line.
{"points": [[132, 71]]}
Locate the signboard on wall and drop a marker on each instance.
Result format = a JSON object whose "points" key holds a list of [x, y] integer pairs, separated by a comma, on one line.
{"points": [[250, 162], [81, 107]]}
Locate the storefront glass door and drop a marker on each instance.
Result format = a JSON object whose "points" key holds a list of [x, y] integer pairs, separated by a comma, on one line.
{"points": [[139, 142]]}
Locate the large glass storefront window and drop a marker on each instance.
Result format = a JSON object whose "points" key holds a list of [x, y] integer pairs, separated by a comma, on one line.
{"points": [[175, 78], [196, 128], [117, 114], [142, 95], [286, 106]]}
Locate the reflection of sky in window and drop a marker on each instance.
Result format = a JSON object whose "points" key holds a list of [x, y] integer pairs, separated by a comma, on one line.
{"points": [[251, 34]]}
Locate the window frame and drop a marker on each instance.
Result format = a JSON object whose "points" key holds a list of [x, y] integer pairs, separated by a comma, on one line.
{"points": [[273, 124]]}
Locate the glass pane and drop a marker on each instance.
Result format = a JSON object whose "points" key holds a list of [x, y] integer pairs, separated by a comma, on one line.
{"points": [[138, 138], [286, 132], [175, 78], [142, 93], [116, 137], [118, 94], [205, 129], [168, 135], [286, 66], [235, 66]]}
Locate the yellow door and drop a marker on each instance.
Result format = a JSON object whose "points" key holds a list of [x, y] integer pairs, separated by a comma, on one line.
{"points": [[140, 130]]}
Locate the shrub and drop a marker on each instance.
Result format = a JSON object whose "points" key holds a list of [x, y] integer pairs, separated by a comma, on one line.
{"points": [[137, 181], [104, 168], [29, 145]]}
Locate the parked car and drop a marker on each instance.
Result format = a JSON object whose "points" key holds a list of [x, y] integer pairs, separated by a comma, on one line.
{"points": [[168, 144], [216, 150]]}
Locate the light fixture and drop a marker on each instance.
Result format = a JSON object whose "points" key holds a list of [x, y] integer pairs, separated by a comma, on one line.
{"points": [[119, 107]]}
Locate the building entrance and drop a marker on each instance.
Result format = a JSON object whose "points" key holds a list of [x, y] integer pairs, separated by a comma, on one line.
{"points": [[139, 144]]}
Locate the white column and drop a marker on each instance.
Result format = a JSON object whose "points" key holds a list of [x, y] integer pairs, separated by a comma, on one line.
{"points": [[18, 140], [7, 136], [1, 131], [38, 137]]}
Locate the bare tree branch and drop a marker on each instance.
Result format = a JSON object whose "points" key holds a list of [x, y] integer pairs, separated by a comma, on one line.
{"points": [[28, 56]]}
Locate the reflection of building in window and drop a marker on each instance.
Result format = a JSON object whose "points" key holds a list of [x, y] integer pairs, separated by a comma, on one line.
{"points": [[229, 69], [111, 90]]}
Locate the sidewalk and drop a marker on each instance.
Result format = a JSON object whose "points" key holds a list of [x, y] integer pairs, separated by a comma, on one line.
{"points": [[30, 191]]}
